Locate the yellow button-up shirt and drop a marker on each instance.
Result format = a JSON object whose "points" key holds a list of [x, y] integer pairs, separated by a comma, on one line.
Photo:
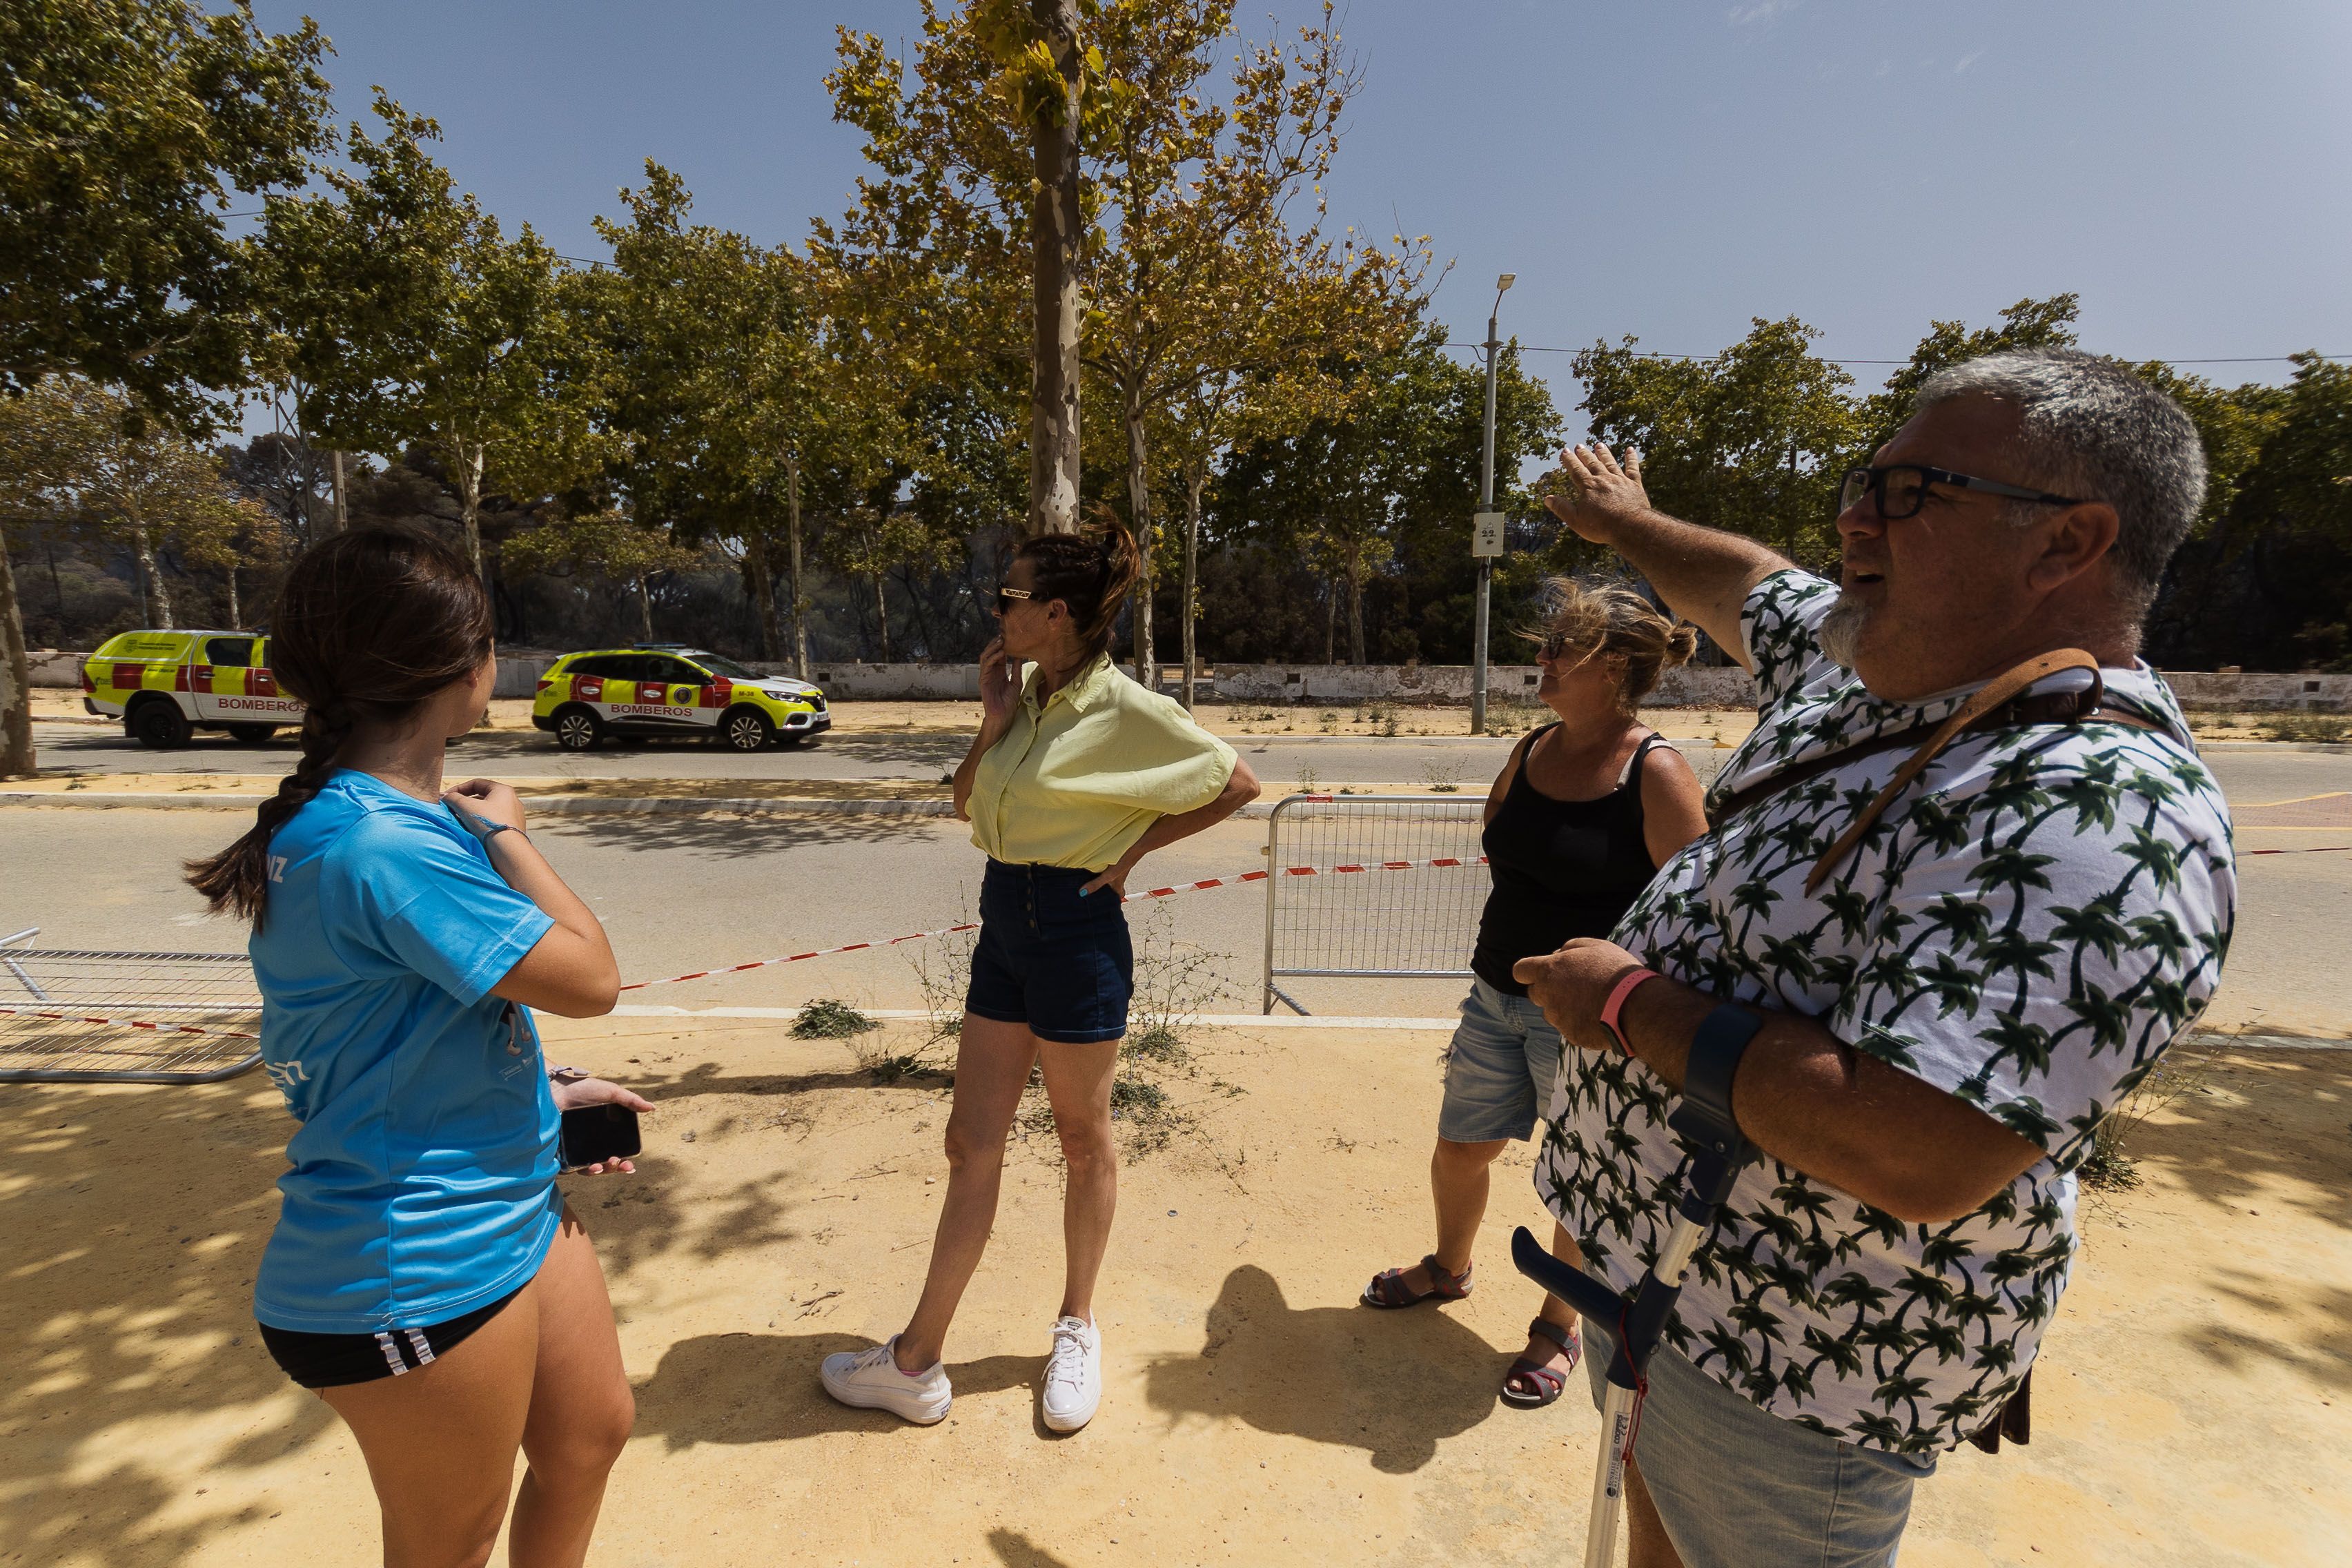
{"points": [[1077, 783]]}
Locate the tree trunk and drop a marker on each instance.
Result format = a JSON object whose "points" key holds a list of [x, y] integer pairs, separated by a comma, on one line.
{"points": [[342, 507], [1191, 597], [882, 617], [16, 681], [646, 604], [1055, 228], [1139, 503], [800, 600], [1331, 622], [159, 597], [763, 593], [1356, 608], [236, 615], [469, 505], [57, 584]]}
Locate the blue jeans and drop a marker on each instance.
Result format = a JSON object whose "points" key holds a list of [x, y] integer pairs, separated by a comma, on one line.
{"points": [[1499, 1070], [1737, 1488]]}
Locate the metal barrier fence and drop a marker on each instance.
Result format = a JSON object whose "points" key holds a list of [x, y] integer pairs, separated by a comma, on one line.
{"points": [[1416, 922], [75, 1016]]}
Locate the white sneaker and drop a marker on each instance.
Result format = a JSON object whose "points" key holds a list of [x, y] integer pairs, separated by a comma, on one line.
{"points": [[871, 1379], [1073, 1375]]}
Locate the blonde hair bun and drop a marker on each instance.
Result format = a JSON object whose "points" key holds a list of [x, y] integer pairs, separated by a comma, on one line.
{"points": [[1610, 620]]}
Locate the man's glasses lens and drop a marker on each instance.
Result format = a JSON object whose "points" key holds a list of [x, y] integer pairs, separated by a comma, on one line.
{"points": [[1900, 490]]}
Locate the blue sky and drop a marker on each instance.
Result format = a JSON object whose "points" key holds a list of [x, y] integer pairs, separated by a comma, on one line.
{"points": [[1659, 169]]}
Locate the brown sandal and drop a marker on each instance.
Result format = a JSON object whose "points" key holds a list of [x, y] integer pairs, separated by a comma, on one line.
{"points": [[1388, 1290], [1530, 1385]]}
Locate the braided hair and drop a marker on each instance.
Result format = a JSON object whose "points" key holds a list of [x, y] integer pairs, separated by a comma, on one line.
{"points": [[370, 625], [1091, 573]]}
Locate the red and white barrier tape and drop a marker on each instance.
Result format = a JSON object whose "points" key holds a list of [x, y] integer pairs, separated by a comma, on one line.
{"points": [[1168, 892], [130, 1023]]}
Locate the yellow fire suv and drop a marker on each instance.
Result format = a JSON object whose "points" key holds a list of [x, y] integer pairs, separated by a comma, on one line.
{"points": [[584, 697], [165, 685]]}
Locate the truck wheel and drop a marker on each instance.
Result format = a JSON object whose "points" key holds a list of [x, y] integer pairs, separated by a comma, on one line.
{"points": [[159, 724], [251, 734], [746, 729], [578, 729]]}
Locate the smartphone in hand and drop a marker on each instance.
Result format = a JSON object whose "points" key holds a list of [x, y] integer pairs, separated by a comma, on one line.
{"points": [[593, 1134]]}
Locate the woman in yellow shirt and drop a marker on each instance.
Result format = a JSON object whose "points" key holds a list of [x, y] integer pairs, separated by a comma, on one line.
{"points": [[1077, 774]]}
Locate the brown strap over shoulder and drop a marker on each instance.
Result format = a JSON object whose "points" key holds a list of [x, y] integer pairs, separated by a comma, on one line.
{"points": [[1998, 706]]}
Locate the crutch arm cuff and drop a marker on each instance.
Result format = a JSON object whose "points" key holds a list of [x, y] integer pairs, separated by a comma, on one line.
{"points": [[1706, 1116]]}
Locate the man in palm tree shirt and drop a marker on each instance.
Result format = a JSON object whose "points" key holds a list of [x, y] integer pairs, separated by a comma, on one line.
{"points": [[2032, 921]]}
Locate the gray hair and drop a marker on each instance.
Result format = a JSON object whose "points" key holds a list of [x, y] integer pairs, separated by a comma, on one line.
{"points": [[2088, 427]]}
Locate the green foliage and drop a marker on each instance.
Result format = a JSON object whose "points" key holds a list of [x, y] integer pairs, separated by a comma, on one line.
{"points": [[127, 128], [825, 1019], [1749, 439]]}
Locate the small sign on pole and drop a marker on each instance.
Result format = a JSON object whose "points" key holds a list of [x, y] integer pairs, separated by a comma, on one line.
{"points": [[1486, 534]]}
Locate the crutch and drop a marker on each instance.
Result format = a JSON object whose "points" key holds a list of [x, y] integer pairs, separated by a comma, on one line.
{"points": [[1716, 1153]]}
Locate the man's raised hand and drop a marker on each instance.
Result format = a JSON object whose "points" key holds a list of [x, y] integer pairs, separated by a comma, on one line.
{"points": [[1600, 493]]}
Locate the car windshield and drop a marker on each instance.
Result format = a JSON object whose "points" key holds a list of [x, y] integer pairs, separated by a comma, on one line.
{"points": [[726, 667]]}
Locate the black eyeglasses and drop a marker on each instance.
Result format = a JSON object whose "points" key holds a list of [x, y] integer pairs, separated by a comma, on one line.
{"points": [[1008, 597], [1900, 489]]}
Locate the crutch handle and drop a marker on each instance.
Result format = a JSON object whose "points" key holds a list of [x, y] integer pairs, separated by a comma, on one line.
{"points": [[1570, 1284]]}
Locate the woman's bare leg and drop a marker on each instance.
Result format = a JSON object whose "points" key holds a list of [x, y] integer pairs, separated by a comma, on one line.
{"points": [[581, 1408], [1078, 1082], [1458, 1183], [993, 1062], [440, 1440]]}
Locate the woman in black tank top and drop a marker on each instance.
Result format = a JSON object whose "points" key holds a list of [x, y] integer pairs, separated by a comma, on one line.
{"points": [[1577, 823]]}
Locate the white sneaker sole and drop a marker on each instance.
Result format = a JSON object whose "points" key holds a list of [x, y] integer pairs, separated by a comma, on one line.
{"points": [[908, 1406], [1070, 1423]]}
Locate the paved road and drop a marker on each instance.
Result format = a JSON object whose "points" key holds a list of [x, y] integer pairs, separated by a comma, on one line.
{"points": [[843, 756], [680, 893]]}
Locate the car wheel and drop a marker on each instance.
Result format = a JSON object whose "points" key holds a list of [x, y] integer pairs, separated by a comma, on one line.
{"points": [[578, 730], [159, 724], [746, 729], [251, 734]]}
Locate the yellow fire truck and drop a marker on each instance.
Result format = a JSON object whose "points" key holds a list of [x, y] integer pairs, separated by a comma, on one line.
{"points": [[165, 685]]}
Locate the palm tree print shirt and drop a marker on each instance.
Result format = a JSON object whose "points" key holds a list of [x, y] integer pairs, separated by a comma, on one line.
{"points": [[2028, 928]]}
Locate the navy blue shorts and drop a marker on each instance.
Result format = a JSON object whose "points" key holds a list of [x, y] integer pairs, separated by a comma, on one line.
{"points": [[1050, 959]]}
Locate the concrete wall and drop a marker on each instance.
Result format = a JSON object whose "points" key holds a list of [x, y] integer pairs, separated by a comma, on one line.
{"points": [[2261, 693], [1433, 684], [1449, 684]]}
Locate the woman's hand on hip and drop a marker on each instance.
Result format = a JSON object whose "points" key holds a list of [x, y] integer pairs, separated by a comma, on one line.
{"points": [[1113, 876]]}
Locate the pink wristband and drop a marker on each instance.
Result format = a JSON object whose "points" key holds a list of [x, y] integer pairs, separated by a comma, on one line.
{"points": [[1616, 1005]]}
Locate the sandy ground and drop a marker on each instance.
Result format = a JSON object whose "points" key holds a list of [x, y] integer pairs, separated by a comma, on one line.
{"points": [[2196, 1405]]}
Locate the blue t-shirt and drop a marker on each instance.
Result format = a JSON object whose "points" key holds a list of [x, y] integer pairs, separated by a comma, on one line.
{"points": [[423, 1180]]}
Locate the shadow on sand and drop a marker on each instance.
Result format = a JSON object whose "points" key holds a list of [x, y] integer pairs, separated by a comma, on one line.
{"points": [[1394, 1384], [763, 1388]]}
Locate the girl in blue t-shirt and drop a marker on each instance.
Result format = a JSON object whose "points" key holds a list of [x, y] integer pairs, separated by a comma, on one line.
{"points": [[424, 1277]]}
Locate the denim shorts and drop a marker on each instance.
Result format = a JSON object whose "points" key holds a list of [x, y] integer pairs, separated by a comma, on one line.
{"points": [[1735, 1485], [1048, 958], [1499, 1069]]}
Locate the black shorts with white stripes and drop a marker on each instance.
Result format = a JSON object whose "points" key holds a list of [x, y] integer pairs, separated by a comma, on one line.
{"points": [[333, 1361]]}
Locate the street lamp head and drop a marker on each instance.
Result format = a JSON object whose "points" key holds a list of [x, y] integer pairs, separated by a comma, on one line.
{"points": [[1503, 284]]}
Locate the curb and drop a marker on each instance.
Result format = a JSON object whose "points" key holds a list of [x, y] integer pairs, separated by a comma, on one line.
{"points": [[538, 806]]}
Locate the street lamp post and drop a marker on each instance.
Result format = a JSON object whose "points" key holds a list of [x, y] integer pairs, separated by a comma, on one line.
{"points": [[1487, 538]]}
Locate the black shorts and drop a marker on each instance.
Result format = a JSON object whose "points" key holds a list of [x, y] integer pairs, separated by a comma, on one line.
{"points": [[335, 1361], [1060, 961]]}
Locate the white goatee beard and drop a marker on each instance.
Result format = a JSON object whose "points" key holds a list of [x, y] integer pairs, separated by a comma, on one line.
{"points": [[1840, 633]]}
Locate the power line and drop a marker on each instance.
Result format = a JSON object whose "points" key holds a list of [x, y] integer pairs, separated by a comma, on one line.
{"points": [[1647, 353]]}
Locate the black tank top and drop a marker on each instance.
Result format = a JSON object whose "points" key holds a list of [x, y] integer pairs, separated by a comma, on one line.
{"points": [[1562, 868]]}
